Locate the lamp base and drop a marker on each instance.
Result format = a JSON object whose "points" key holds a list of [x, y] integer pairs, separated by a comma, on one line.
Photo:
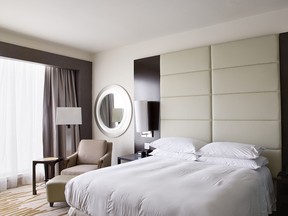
{"points": [[147, 134]]}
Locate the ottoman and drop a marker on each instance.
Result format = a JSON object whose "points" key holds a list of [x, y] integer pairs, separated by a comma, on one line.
{"points": [[55, 188]]}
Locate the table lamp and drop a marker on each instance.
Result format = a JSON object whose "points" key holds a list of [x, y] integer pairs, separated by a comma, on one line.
{"points": [[68, 116]]}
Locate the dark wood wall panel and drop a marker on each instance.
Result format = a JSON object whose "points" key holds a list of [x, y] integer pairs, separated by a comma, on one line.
{"points": [[83, 76], [146, 87], [283, 42]]}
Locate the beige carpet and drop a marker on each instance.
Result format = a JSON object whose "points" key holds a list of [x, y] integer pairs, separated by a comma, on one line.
{"points": [[20, 201]]}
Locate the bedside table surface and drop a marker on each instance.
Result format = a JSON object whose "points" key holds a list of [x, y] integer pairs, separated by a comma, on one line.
{"points": [[129, 157]]}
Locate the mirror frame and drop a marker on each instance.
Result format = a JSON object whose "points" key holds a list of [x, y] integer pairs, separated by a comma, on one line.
{"points": [[127, 114]]}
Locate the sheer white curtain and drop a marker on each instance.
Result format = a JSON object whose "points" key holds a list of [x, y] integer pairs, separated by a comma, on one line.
{"points": [[21, 112]]}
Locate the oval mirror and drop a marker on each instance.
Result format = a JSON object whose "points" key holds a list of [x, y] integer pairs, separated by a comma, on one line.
{"points": [[113, 110]]}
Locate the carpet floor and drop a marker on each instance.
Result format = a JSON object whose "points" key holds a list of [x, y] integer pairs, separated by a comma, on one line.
{"points": [[20, 201]]}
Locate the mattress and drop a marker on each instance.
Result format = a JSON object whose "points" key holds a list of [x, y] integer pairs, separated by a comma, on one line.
{"points": [[156, 186]]}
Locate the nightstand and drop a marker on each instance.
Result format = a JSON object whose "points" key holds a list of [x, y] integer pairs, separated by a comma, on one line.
{"points": [[129, 157], [282, 194], [48, 161]]}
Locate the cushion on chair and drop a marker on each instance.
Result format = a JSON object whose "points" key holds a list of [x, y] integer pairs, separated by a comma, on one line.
{"points": [[79, 169], [90, 151]]}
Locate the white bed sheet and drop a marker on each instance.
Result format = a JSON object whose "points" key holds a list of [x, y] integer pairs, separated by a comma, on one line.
{"points": [[156, 186]]}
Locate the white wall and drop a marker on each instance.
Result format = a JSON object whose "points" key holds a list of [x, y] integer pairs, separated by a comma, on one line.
{"points": [[22, 40], [116, 66]]}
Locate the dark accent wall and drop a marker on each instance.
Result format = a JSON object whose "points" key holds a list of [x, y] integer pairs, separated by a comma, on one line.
{"points": [[283, 46], [147, 87], [83, 77]]}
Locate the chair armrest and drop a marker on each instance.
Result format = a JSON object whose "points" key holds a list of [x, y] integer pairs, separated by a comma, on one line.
{"points": [[71, 160], [105, 160]]}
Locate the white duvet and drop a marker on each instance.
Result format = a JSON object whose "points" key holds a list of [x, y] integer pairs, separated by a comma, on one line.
{"points": [[156, 186]]}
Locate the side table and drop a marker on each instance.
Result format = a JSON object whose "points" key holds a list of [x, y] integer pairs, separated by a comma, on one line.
{"points": [[48, 161], [282, 194]]}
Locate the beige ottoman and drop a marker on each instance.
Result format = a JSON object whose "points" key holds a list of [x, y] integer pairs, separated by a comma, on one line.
{"points": [[55, 188]]}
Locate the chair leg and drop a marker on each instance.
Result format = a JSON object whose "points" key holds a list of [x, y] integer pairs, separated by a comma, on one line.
{"points": [[51, 204]]}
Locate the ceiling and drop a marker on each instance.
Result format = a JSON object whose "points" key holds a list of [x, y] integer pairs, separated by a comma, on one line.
{"points": [[97, 25]]}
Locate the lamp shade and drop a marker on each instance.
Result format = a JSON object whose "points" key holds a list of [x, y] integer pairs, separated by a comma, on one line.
{"points": [[68, 116], [117, 114], [141, 116]]}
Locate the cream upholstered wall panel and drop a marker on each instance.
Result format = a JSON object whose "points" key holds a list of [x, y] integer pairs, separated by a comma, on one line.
{"points": [[253, 78], [262, 133], [186, 128], [194, 108], [247, 106], [186, 84], [252, 51], [186, 61], [246, 94], [274, 157], [185, 89]]}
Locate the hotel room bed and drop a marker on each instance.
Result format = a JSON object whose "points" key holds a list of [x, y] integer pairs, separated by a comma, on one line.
{"points": [[223, 92], [158, 186]]}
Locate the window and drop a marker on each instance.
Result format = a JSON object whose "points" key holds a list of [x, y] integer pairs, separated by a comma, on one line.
{"points": [[21, 112]]}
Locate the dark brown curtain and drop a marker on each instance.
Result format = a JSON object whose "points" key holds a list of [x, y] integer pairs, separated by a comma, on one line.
{"points": [[59, 91]]}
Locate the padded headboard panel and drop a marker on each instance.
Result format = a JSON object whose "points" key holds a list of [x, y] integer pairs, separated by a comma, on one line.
{"points": [[185, 90], [225, 92], [246, 94]]}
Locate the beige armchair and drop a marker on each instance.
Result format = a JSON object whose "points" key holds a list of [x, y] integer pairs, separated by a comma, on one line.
{"points": [[90, 155]]}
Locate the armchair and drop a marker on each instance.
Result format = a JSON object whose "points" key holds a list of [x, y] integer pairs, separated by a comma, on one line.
{"points": [[90, 155]]}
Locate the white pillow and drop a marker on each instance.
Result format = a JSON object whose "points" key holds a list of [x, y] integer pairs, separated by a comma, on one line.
{"points": [[166, 154], [246, 163], [231, 150], [178, 144]]}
